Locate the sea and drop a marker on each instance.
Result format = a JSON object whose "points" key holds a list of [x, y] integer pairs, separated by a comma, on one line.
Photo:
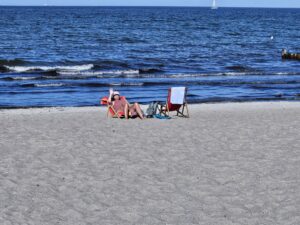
{"points": [[71, 56]]}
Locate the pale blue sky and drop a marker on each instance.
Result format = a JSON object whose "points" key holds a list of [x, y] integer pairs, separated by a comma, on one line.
{"points": [[228, 3]]}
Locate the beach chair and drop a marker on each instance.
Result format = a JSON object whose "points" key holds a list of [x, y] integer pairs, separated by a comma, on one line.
{"points": [[176, 102], [110, 110]]}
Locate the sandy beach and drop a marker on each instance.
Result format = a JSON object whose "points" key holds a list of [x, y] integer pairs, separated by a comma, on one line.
{"points": [[230, 163]]}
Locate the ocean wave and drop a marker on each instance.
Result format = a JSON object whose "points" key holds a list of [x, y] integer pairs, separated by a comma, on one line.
{"points": [[81, 75], [240, 68], [31, 85], [61, 75], [263, 84], [238, 73], [18, 78], [97, 73], [22, 69], [19, 64], [44, 85], [110, 64], [110, 84], [256, 73], [127, 84], [49, 85], [12, 62], [150, 70], [3, 69]]}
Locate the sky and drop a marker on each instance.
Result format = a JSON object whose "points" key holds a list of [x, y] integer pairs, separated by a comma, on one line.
{"points": [[225, 3]]}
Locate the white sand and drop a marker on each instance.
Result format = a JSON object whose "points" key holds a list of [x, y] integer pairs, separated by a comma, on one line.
{"points": [[227, 164]]}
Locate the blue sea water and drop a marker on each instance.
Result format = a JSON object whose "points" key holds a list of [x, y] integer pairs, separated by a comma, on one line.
{"points": [[71, 56]]}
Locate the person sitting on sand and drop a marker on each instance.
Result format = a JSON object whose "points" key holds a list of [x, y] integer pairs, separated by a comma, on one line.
{"points": [[121, 105]]}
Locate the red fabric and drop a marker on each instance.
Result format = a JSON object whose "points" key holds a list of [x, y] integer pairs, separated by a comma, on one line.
{"points": [[121, 114], [172, 107], [104, 101]]}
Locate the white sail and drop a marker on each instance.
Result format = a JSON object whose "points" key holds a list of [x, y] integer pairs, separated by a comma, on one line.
{"points": [[214, 4]]}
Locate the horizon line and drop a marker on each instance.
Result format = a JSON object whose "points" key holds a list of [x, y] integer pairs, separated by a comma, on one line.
{"points": [[149, 6]]}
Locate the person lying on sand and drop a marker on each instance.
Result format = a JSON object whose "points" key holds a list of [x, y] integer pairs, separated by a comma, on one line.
{"points": [[122, 105]]}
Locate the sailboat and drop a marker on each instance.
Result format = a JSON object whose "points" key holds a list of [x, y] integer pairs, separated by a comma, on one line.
{"points": [[214, 4]]}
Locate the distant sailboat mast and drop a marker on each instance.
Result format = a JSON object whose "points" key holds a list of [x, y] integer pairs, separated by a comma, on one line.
{"points": [[214, 4]]}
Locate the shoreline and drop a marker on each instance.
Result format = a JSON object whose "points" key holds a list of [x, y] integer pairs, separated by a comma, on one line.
{"points": [[197, 106]]}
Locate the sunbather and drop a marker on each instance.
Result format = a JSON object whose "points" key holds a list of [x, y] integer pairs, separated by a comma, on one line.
{"points": [[120, 104]]}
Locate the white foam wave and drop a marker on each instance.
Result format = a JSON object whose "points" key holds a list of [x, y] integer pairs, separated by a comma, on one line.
{"points": [[236, 73], [77, 68], [125, 72], [287, 73], [98, 73], [24, 78], [180, 75], [49, 85], [126, 84]]}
